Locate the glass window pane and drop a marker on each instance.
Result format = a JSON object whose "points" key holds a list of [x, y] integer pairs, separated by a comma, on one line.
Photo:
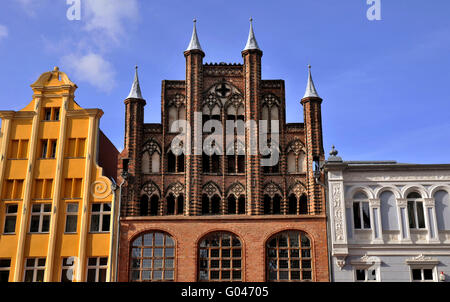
{"points": [[95, 223], [92, 261], [91, 275], [157, 275], [170, 252], [102, 275], [40, 275], [106, 223], [420, 215], [411, 216], [96, 207], [416, 274], [306, 275], [104, 261], [10, 224], [146, 275], [159, 252], [295, 275], [366, 215], [71, 224], [159, 239], [41, 262], [372, 275], [356, 215], [28, 276], [157, 263], [137, 241], [34, 224], [284, 275], [45, 223], [135, 275], [148, 239], [428, 274]]}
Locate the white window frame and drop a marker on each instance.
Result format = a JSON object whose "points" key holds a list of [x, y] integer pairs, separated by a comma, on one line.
{"points": [[97, 267], [41, 215], [10, 215], [35, 268], [6, 268], [422, 267], [71, 267], [416, 216], [366, 270], [71, 214], [101, 214], [360, 202]]}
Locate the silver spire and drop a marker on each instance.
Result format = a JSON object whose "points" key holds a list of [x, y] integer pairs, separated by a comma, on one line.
{"points": [[195, 43], [311, 91], [251, 42], [135, 92]]}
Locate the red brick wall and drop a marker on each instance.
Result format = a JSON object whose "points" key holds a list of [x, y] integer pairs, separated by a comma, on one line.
{"points": [[253, 232]]}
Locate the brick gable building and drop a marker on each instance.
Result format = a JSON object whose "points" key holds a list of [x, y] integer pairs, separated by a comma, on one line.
{"points": [[222, 217]]}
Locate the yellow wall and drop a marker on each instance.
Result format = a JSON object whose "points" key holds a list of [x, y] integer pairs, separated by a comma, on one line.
{"points": [[52, 90]]}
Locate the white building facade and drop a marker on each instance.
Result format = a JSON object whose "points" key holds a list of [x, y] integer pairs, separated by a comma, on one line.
{"points": [[388, 222]]}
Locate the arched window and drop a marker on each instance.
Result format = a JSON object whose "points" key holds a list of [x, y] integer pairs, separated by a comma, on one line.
{"points": [[211, 109], [297, 200], [296, 157], [388, 211], [149, 202], [236, 199], [361, 211], [235, 108], [272, 199], [416, 214], [270, 110], [175, 199], [442, 199], [211, 163], [175, 164], [236, 158], [211, 200], [176, 111], [220, 258], [289, 257], [152, 258], [151, 157], [272, 161]]}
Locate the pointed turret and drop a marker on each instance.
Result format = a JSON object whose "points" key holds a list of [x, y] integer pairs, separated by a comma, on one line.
{"points": [[195, 43], [251, 42], [311, 91], [135, 92]]}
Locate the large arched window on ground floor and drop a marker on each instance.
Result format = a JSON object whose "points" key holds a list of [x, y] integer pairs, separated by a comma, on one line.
{"points": [[220, 257], [152, 258], [289, 257]]}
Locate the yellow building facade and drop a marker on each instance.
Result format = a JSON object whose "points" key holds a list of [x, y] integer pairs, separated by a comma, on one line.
{"points": [[57, 204]]}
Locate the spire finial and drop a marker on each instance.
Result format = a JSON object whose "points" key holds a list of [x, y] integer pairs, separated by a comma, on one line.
{"points": [[310, 88], [135, 92], [195, 43], [251, 42]]}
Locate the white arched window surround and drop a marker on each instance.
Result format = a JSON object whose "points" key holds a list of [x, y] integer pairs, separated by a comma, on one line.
{"points": [[361, 211], [416, 210]]}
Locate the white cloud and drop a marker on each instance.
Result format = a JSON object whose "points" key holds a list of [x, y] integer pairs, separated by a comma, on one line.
{"points": [[91, 68], [3, 31], [110, 16]]}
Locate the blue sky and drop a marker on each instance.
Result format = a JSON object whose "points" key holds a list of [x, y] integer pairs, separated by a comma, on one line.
{"points": [[385, 84]]}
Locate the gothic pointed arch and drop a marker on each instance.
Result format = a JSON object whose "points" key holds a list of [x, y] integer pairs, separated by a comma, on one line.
{"points": [[211, 188], [236, 189], [150, 189]]}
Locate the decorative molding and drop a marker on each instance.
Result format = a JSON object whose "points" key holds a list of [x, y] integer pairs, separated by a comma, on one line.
{"points": [[366, 260], [375, 203], [398, 176], [402, 202], [150, 188], [421, 260], [223, 71], [338, 213], [340, 261], [429, 202]]}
